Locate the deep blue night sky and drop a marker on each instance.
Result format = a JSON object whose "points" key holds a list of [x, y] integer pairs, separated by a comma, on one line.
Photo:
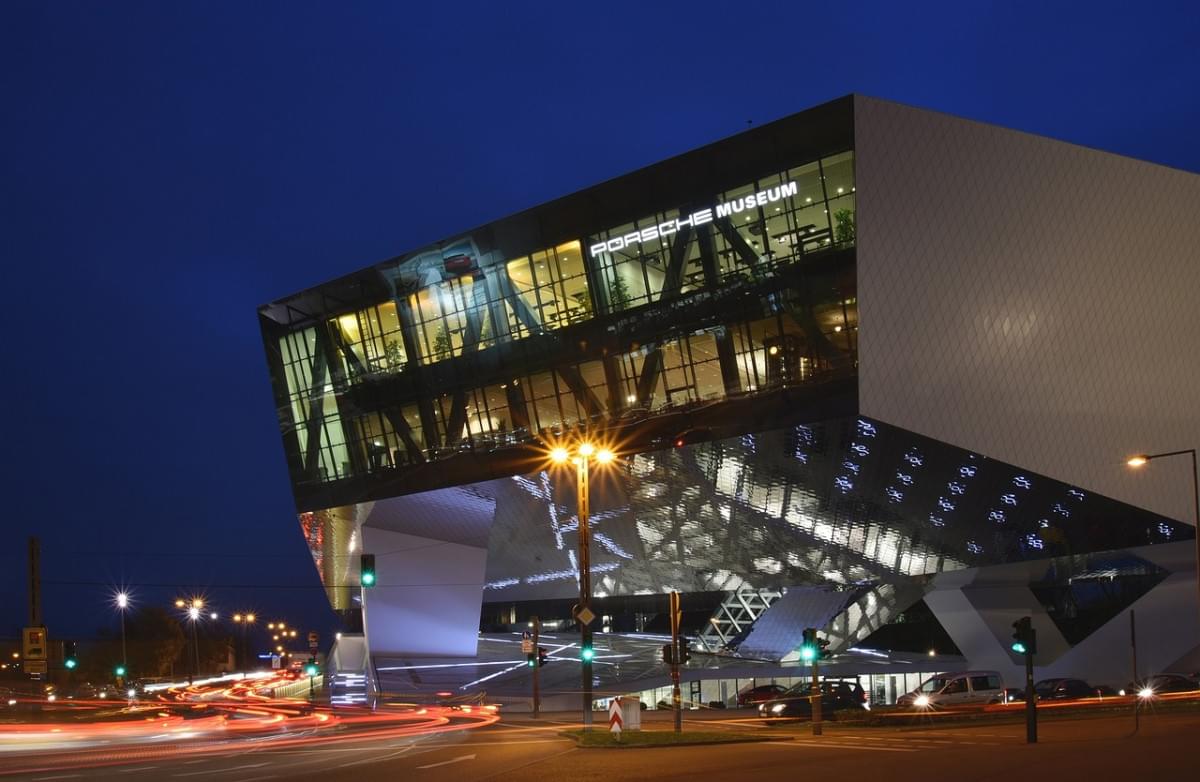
{"points": [[169, 166]]}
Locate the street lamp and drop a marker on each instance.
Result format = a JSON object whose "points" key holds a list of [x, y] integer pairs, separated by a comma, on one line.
{"points": [[122, 601], [585, 453], [244, 621], [193, 615], [1141, 459]]}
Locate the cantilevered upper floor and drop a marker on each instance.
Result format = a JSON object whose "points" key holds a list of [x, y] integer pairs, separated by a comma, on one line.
{"points": [[706, 295]]}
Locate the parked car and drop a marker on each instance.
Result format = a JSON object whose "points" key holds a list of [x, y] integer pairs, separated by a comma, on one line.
{"points": [[756, 695], [1161, 683], [836, 695], [956, 689], [1068, 689], [1012, 695]]}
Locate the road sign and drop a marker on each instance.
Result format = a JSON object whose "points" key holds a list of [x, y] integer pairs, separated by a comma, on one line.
{"points": [[275, 661], [614, 716], [313, 640], [585, 616], [526, 646], [33, 643], [35, 666]]}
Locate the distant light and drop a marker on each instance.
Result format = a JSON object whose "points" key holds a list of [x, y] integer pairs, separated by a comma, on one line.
{"points": [[51, 697], [1136, 461], [631, 398], [932, 653], [604, 456], [586, 449], [1145, 692], [213, 615], [249, 617], [922, 701], [337, 636], [773, 350], [193, 613], [122, 600], [559, 455], [237, 617], [131, 693], [179, 603]]}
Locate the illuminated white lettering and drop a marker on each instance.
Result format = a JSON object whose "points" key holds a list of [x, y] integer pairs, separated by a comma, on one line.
{"points": [[788, 190], [667, 228], [615, 244], [597, 249], [724, 210], [649, 234], [702, 217]]}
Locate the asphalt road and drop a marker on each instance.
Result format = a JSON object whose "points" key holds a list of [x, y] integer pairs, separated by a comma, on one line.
{"points": [[520, 749]]}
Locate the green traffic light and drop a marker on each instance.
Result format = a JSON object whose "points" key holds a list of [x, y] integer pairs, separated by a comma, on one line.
{"points": [[311, 670], [532, 663], [587, 653], [70, 662], [368, 579], [1019, 647], [120, 671], [808, 653]]}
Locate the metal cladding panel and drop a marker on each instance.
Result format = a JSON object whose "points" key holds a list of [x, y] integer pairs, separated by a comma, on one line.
{"points": [[1029, 300]]}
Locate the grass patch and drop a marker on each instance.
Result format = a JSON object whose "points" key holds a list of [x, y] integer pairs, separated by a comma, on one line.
{"points": [[658, 738]]}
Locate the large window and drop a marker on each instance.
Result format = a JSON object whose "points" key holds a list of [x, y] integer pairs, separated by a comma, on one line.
{"points": [[313, 405], [373, 337]]}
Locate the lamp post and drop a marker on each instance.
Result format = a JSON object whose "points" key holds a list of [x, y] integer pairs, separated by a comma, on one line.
{"points": [[193, 614], [244, 621], [1141, 459], [122, 600], [585, 453]]}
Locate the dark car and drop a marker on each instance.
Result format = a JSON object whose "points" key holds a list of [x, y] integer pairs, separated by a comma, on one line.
{"points": [[1161, 683], [797, 701], [1067, 689], [759, 694], [1012, 695]]}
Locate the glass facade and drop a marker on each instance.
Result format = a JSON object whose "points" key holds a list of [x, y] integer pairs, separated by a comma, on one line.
{"points": [[717, 288]]}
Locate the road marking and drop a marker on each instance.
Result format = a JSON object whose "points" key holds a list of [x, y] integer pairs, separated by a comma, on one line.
{"points": [[60, 776], [459, 759], [138, 768], [829, 745], [219, 770]]}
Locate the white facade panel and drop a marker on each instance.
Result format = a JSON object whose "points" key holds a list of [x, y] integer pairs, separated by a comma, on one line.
{"points": [[1030, 300]]}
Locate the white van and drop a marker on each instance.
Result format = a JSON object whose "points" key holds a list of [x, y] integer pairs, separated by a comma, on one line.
{"points": [[956, 689]]}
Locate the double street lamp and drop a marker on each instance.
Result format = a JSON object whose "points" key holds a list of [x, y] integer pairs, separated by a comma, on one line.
{"points": [[244, 621], [1140, 460], [582, 455]]}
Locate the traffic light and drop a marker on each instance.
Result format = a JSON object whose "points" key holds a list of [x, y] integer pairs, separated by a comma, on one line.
{"points": [[668, 654], [531, 659], [541, 656], [1024, 636], [685, 654], [366, 570], [119, 670], [810, 650], [69, 658], [587, 653], [311, 668], [70, 663]]}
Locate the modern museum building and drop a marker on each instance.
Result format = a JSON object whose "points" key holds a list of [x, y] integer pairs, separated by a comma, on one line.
{"points": [[868, 369]]}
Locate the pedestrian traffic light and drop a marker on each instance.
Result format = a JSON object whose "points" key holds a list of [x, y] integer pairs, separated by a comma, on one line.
{"points": [[366, 571], [668, 654], [1024, 636], [587, 653], [531, 659], [810, 650], [311, 668], [119, 670], [69, 658], [542, 659], [70, 663]]}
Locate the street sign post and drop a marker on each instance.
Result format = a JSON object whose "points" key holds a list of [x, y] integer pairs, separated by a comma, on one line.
{"points": [[676, 698], [614, 717], [526, 646], [313, 640]]}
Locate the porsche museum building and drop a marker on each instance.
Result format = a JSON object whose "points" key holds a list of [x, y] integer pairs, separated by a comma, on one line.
{"points": [[869, 369]]}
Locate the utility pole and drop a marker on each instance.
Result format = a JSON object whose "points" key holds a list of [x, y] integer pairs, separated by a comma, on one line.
{"points": [[1134, 680], [35, 583], [537, 666], [676, 698], [816, 697]]}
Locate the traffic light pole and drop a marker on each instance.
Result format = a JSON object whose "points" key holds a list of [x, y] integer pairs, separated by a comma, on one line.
{"points": [[1030, 701], [816, 699], [537, 665], [676, 696]]}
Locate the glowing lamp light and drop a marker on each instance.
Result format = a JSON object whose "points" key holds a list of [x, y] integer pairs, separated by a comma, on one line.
{"points": [[922, 701], [604, 456], [1145, 692], [179, 604], [237, 617], [559, 455], [193, 613], [249, 617], [586, 449], [122, 600], [1136, 461]]}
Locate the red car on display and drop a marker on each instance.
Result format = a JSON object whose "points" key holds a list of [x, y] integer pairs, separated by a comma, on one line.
{"points": [[759, 694]]}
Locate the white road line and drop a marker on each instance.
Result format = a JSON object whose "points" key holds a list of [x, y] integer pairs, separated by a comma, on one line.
{"points": [[825, 745], [219, 770], [459, 759]]}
